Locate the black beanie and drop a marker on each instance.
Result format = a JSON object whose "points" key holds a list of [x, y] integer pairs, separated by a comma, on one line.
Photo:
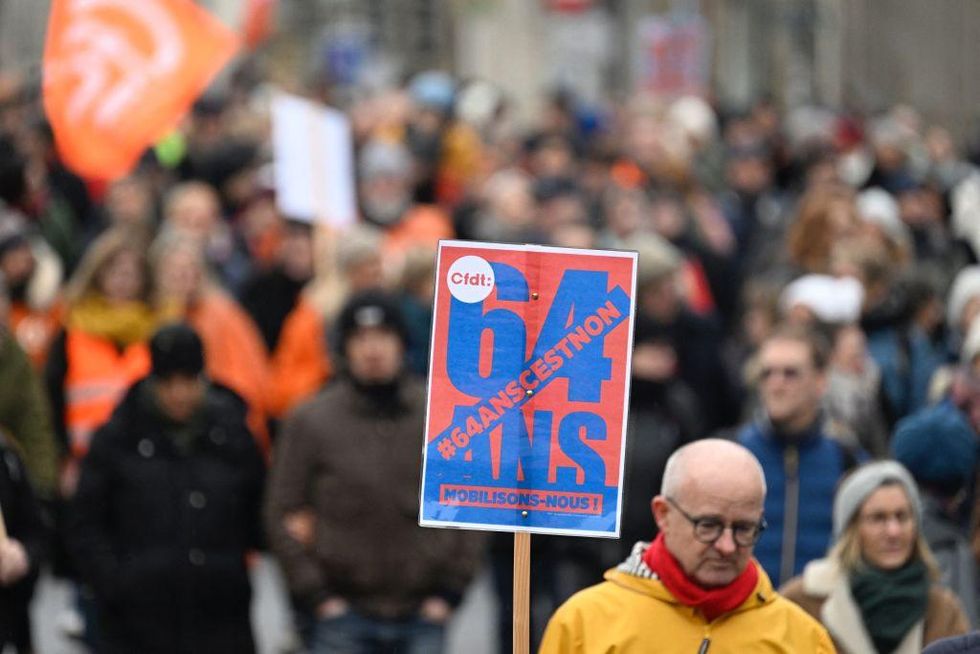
{"points": [[176, 349], [369, 309]]}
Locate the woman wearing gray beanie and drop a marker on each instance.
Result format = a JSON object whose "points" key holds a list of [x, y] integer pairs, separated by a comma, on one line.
{"points": [[875, 591]]}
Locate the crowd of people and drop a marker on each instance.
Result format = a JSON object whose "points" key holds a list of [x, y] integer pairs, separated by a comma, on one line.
{"points": [[187, 375]]}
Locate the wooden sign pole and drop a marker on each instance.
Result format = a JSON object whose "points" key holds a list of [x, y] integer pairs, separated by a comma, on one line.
{"points": [[522, 592]]}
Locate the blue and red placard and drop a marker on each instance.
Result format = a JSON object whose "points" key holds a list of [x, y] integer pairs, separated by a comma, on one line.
{"points": [[528, 389]]}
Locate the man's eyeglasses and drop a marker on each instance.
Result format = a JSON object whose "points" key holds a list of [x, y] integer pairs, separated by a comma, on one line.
{"points": [[707, 530], [789, 372]]}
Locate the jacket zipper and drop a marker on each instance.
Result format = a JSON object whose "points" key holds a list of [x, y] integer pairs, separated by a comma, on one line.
{"points": [[705, 644], [791, 510]]}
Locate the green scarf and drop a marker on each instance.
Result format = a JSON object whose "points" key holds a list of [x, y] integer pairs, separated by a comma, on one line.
{"points": [[891, 601]]}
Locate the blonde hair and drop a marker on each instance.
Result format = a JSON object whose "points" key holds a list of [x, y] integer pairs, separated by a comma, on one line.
{"points": [[171, 239], [419, 268], [810, 238], [100, 254]]}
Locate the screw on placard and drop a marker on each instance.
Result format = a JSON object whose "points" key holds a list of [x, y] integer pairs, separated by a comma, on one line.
{"points": [[534, 296], [529, 392], [523, 514]]}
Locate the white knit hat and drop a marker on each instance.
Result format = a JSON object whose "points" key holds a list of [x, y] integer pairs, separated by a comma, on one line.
{"points": [[877, 207], [965, 287], [831, 299], [857, 487], [971, 344], [695, 117]]}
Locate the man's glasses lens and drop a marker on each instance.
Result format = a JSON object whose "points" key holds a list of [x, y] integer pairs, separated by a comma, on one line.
{"points": [[708, 530], [787, 372]]}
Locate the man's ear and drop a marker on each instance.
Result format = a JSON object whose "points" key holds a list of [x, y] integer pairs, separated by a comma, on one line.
{"points": [[660, 508]]}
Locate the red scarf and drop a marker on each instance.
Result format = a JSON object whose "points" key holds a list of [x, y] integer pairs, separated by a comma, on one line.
{"points": [[712, 602]]}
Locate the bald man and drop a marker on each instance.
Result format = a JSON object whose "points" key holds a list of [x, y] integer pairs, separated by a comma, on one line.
{"points": [[696, 588]]}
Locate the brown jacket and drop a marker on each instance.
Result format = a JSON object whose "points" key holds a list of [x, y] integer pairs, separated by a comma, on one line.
{"points": [[356, 463], [823, 592]]}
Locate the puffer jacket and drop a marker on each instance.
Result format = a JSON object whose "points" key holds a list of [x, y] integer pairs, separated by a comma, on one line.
{"points": [[801, 476], [632, 612]]}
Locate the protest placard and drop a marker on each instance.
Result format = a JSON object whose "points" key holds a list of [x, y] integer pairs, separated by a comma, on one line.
{"points": [[672, 55], [528, 388], [314, 169]]}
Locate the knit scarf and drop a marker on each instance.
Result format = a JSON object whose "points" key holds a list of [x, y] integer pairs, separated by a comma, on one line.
{"points": [[891, 601], [712, 602], [123, 324]]}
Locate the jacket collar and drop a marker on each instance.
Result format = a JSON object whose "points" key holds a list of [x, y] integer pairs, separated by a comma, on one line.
{"points": [[840, 613], [808, 436], [633, 574], [363, 403]]}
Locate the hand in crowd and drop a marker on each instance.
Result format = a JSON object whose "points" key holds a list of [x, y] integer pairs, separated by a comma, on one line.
{"points": [[712, 225], [435, 610], [299, 525], [68, 479], [13, 562], [654, 361], [332, 608]]}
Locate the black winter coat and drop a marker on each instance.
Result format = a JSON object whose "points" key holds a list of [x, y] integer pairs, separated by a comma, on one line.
{"points": [[22, 518], [162, 536]]}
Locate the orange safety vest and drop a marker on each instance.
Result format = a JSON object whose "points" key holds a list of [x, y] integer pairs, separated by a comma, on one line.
{"points": [[234, 355], [301, 363], [98, 376]]}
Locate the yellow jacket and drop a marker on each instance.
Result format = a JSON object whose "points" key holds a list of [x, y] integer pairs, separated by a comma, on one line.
{"points": [[632, 612]]}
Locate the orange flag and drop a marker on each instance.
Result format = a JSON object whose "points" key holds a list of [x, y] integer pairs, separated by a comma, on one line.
{"points": [[257, 25], [119, 74]]}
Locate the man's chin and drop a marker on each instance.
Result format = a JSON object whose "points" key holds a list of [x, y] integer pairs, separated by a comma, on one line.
{"points": [[716, 576]]}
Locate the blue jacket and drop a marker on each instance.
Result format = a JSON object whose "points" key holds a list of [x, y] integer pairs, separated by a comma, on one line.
{"points": [[907, 359], [801, 478], [968, 644]]}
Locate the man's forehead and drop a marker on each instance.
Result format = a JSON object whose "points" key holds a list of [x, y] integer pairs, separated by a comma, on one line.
{"points": [[785, 348], [722, 490], [374, 330]]}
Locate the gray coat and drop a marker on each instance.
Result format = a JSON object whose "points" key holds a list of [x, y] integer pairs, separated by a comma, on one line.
{"points": [[949, 544]]}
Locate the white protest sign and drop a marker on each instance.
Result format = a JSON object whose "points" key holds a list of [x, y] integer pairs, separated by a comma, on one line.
{"points": [[314, 172]]}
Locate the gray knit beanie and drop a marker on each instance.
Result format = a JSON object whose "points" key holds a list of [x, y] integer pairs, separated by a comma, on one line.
{"points": [[856, 488]]}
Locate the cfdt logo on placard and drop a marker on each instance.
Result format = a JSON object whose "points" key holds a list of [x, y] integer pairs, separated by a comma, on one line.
{"points": [[470, 279]]}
